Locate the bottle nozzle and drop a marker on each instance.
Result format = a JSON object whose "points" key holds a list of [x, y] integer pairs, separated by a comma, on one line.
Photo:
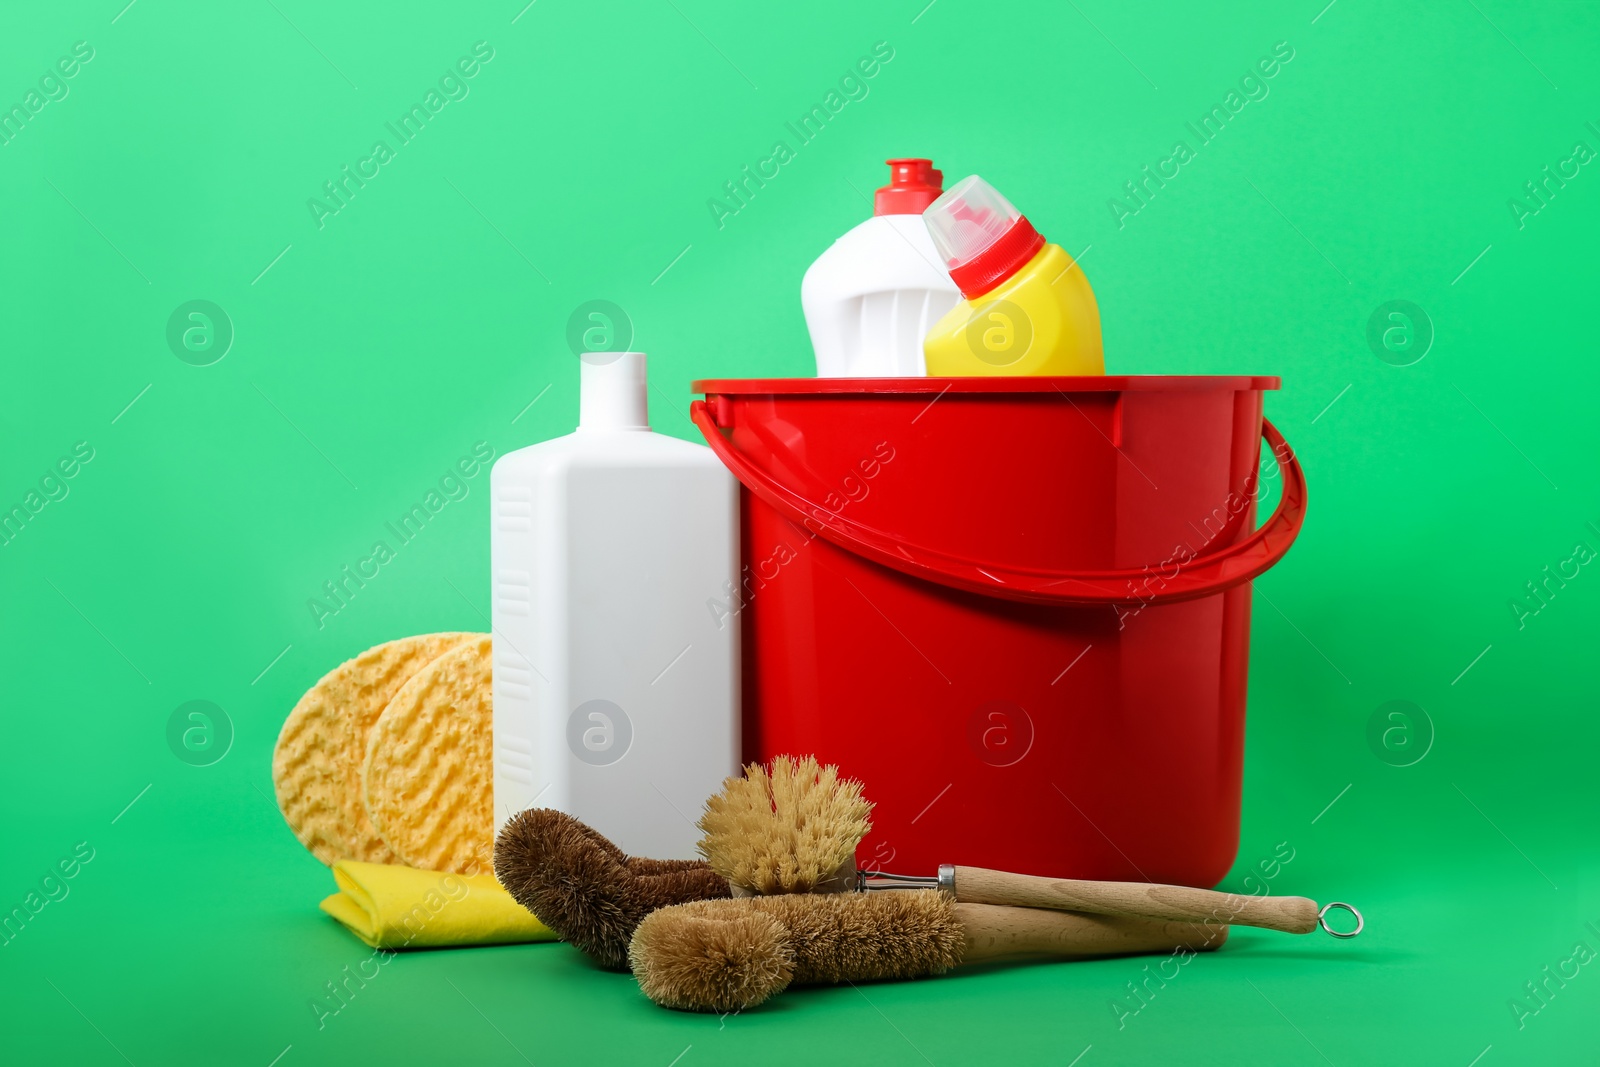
{"points": [[612, 392], [913, 185], [982, 238]]}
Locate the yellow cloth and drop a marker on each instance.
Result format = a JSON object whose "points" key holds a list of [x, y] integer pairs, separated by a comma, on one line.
{"points": [[401, 907]]}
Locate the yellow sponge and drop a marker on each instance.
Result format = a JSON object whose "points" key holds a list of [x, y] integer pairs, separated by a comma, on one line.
{"points": [[316, 766], [428, 780]]}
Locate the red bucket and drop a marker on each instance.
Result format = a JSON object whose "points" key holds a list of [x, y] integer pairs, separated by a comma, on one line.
{"points": [[1018, 609]]}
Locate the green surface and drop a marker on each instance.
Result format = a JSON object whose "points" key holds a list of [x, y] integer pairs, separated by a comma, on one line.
{"points": [[371, 352]]}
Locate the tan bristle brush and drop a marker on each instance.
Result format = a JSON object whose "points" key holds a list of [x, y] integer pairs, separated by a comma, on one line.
{"points": [[730, 955], [794, 828]]}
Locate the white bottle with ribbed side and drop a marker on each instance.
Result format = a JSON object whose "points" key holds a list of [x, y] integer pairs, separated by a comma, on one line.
{"points": [[615, 673], [871, 298]]}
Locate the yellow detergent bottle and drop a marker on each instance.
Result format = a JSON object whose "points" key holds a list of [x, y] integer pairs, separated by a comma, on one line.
{"points": [[1028, 307]]}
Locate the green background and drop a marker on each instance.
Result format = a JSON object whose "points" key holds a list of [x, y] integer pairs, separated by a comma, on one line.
{"points": [[431, 311]]}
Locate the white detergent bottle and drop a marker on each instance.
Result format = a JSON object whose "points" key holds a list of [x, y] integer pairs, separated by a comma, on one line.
{"points": [[872, 297], [615, 680]]}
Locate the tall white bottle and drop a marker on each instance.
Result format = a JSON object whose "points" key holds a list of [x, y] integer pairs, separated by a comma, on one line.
{"points": [[872, 297], [616, 695]]}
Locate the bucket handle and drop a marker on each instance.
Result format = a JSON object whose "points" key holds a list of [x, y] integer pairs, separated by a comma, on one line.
{"points": [[1193, 576]]}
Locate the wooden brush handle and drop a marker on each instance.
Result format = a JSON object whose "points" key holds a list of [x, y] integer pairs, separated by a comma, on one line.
{"points": [[993, 932], [1293, 915]]}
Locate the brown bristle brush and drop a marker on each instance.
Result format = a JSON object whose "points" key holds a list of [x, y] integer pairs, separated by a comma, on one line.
{"points": [[794, 827], [729, 955], [585, 888]]}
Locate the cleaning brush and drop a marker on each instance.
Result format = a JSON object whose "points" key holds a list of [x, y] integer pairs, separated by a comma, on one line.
{"points": [[794, 829], [585, 888], [728, 955]]}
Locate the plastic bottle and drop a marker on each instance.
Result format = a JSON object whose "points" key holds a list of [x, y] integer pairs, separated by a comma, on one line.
{"points": [[1028, 306], [615, 679], [871, 297]]}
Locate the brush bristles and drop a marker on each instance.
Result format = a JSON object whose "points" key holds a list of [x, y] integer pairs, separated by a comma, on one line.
{"points": [[729, 955], [784, 830], [585, 888], [696, 962]]}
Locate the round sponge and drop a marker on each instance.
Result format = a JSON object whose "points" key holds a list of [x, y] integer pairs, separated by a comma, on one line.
{"points": [[428, 782], [317, 763]]}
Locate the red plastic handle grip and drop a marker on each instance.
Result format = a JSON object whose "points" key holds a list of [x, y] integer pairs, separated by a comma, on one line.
{"points": [[1197, 576]]}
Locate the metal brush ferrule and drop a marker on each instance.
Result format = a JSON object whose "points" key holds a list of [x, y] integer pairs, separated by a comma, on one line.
{"points": [[868, 881], [944, 881]]}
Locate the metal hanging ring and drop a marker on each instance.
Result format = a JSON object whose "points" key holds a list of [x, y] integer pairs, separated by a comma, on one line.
{"points": [[1322, 919]]}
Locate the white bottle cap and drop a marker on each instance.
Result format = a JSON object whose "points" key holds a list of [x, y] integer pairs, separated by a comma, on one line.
{"points": [[612, 392]]}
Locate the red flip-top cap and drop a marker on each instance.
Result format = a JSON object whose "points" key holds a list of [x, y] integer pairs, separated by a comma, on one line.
{"points": [[999, 261], [913, 185], [982, 238]]}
